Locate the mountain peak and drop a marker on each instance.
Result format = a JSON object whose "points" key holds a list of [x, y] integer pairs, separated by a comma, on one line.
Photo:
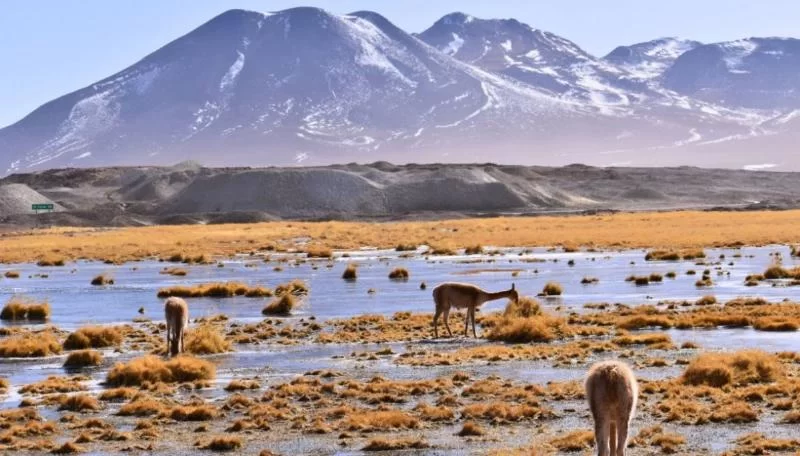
{"points": [[456, 18]]}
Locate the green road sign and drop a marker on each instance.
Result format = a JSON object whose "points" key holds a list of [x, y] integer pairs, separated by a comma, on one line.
{"points": [[42, 207]]}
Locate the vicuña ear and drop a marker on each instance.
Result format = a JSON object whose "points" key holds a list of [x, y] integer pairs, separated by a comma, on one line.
{"points": [[512, 285]]}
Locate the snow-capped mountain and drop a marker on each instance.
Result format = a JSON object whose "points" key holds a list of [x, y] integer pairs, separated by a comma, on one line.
{"points": [[310, 87], [646, 61], [761, 73], [535, 57]]}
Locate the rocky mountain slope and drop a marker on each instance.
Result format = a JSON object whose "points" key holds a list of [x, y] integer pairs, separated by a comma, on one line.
{"points": [[304, 86], [190, 193]]}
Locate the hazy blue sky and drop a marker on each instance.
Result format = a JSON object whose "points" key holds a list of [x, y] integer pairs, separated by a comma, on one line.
{"points": [[50, 48]]}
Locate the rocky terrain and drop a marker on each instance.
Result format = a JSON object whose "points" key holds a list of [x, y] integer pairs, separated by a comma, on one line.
{"points": [[188, 193], [304, 86]]}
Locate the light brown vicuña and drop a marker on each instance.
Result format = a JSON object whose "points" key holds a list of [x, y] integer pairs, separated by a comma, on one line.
{"points": [[177, 314], [612, 392], [463, 296]]}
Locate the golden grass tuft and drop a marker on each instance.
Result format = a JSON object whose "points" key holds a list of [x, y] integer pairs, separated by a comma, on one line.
{"points": [[776, 323], [552, 289], [523, 322], [102, 279], [395, 444], [68, 448], [79, 403], [319, 251], [203, 412], [215, 290], [55, 384], [738, 368], [153, 369], [222, 443], [174, 271], [22, 308], [673, 255], [242, 385], [350, 272], [83, 358], [524, 307], [399, 274], [281, 306], [372, 420], [93, 337], [30, 345], [473, 249], [574, 441], [295, 287], [502, 411], [657, 341], [206, 339], [142, 406], [11, 274], [471, 428]]}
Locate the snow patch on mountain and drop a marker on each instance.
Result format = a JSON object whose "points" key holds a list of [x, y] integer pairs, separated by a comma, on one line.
{"points": [[230, 77]]}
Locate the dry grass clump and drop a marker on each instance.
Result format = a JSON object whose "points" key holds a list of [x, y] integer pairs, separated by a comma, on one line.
{"points": [[471, 428], [152, 369], [739, 368], [473, 250], [48, 262], [118, 394], [174, 271], [21, 308], [776, 323], [574, 441], [202, 258], [673, 255], [206, 339], [523, 321], [221, 443], [281, 306], [776, 272], [11, 274], [638, 280], [102, 279], [79, 403], [656, 436], [589, 280], [142, 406], [395, 444], [503, 411], [202, 412], [30, 345], [755, 443], [655, 341], [524, 307], [55, 384], [68, 448], [399, 274], [706, 300], [405, 247], [83, 358], [319, 251], [296, 287], [242, 385], [350, 272], [215, 290], [552, 289], [93, 337], [379, 420]]}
